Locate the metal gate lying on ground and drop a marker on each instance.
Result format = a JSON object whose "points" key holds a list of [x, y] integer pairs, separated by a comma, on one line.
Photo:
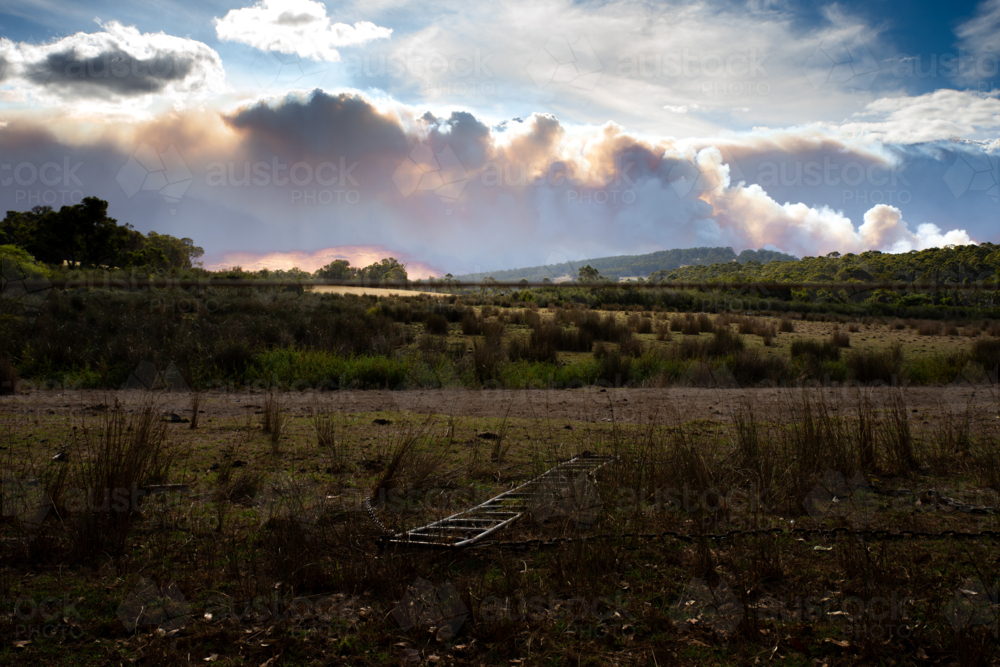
{"points": [[477, 523]]}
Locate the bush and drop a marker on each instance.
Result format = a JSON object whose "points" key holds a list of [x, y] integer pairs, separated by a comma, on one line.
{"points": [[814, 348], [436, 324], [786, 326], [753, 367], [840, 339], [8, 377], [870, 365], [724, 342], [986, 351], [615, 369], [929, 328], [472, 325]]}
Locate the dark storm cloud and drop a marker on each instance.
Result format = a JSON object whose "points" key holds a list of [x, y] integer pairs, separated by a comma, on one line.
{"points": [[320, 124], [113, 71]]}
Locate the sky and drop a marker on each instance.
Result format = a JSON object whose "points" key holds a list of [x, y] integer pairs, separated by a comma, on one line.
{"points": [[467, 137]]}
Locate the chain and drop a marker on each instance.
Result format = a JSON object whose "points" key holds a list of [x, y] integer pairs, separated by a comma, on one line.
{"points": [[374, 519]]}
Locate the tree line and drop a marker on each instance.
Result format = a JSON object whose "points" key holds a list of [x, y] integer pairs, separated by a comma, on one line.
{"points": [[84, 236]]}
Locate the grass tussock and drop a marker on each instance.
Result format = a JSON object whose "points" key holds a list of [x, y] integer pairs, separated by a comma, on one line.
{"points": [[986, 351], [108, 463], [8, 377], [872, 365]]}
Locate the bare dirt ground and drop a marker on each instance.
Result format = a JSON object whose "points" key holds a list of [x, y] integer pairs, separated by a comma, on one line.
{"points": [[588, 404]]}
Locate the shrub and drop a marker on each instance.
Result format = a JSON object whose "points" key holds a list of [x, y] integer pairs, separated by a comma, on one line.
{"points": [[986, 351], [436, 324], [840, 339], [615, 369], [472, 325], [753, 367], [871, 365], [929, 328], [786, 326], [814, 348], [631, 347], [8, 377], [724, 342], [662, 331]]}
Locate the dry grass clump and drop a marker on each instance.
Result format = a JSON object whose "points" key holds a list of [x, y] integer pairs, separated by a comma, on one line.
{"points": [[414, 462], [8, 377], [840, 339], [786, 325], [436, 324], [195, 409], [874, 365], [663, 331], [723, 342], [274, 419], [929, 328], [472, 325], [108, 463], [986, 351], [692, 325], [640, 324], [825, 350]]}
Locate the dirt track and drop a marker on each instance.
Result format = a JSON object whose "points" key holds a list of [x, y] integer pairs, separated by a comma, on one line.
{"points": [[580, 405]]}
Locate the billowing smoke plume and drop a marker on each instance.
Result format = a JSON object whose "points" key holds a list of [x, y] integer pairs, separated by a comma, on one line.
{"points": [[279, 179]]}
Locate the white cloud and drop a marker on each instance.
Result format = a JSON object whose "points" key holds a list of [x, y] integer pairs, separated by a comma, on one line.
{"points": [[721, 60], [942, 114], [295, 26], [981, 36]]}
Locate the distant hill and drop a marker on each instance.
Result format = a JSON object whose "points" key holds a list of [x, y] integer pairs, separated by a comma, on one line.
{"points": [[635, 265]]}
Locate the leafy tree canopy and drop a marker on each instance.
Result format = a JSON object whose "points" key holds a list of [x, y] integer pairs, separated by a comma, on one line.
{"points": [[84, 235]]}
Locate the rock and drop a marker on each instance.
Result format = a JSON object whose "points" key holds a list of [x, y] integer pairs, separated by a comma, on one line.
{"points": [[488, 435], [381, 422]]}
